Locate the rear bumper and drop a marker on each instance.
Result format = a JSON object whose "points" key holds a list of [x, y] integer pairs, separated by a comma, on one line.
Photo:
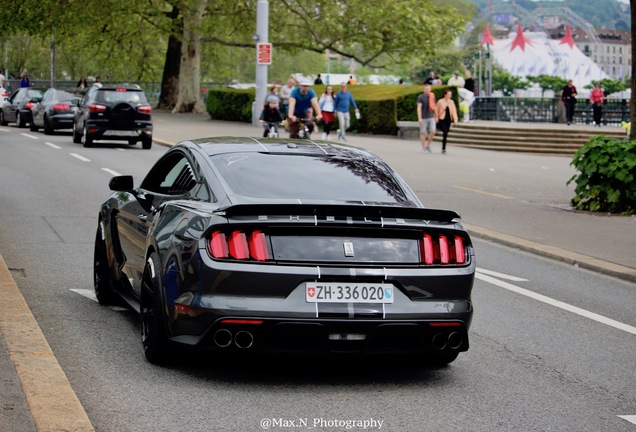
{"points": [[101, 131], [334, 336]]}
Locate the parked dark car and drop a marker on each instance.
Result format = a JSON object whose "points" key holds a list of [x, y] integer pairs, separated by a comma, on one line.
{"points": [[54, 111], [113, 113], [294, 246], [18, 108]]}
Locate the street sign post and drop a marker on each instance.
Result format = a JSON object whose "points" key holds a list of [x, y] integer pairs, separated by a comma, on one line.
{"points": [[264, 53]]}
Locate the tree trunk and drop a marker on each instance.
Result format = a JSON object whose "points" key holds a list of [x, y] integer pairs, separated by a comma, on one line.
{"points": [[189, 99], [632, 105], [170, 79]]}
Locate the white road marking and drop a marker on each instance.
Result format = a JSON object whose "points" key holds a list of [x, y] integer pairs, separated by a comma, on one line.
{"points": [[556, 303], [57, 147], [629, 418], [80, 157], [29, 136], [90, 294], [110, 171], [501, 275], [5, 130]]}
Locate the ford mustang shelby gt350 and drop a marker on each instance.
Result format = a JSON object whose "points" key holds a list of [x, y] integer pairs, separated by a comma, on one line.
{"points": [[276, 245]]}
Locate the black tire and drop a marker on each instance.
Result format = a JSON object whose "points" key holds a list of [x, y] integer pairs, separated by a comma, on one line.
{"points": [[441, 359], [103, 283], [3, 122], [146, 143], [33, 127], [77, 137], [87, 140], [154, 335], [19, 120], [48, 128]]}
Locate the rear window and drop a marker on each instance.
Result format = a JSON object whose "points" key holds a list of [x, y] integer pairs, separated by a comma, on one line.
{"points": [[121, 95], [305, 177]]}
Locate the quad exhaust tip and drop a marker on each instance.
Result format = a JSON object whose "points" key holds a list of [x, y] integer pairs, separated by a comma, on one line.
{"points": [[451, 341], [223, 338]]}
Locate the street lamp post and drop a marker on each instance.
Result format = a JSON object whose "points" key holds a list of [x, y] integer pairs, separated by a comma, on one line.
{"points": [[262, 30]]}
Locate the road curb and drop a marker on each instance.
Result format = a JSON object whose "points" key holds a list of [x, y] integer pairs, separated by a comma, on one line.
{"points": [[52, 402], [552, 252]]}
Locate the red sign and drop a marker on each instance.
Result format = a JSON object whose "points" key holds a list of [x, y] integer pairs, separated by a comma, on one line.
{"points": [[264, 53]]}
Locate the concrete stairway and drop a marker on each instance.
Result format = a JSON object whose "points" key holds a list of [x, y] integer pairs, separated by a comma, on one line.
{"points": [[541, 138]]}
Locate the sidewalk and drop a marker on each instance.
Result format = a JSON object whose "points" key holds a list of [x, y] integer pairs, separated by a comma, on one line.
{"points": [[537, 218]]}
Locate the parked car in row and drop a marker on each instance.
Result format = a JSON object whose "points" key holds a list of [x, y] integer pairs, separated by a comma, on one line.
{"points": [[18, 108], [113, 113], [290, 246], [54, 111]]}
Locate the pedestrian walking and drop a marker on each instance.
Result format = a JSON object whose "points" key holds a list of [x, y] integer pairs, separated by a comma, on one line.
{"points": [[283, 95], [446, 113], [426, 117], [568, 96], [352, 80], [327, 103], [318, 80], [344, 100], [597, 99]]}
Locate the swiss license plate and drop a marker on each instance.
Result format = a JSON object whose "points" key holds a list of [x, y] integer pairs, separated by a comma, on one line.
{"points": [[334, 292], [121, 133]]}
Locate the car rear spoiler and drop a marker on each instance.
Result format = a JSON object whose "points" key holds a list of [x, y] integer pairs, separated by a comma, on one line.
{"points": [[369, 211]]}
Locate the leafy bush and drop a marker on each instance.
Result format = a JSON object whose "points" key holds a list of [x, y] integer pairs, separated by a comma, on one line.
{"points": [[606, 181], [230, 104]]}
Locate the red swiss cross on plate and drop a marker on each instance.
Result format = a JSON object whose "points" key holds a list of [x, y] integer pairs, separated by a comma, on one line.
{"points": [[311, 292]]}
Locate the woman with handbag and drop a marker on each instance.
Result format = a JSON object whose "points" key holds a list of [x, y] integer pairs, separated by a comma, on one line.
{"points": [[446, 113]]}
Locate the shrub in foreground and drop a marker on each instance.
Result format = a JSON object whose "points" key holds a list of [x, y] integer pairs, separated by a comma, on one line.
{"points": [[606, 181]]}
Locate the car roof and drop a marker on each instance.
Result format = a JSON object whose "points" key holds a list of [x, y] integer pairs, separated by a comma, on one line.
{"points": [[114, 87], [220, 145]]}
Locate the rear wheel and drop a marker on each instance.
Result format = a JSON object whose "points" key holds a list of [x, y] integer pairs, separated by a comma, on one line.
{"points": [[77, 137], [19, 119], [154, 337], [101, 272], [48, 127], [86, 138], [3, 122], [146, 143]]}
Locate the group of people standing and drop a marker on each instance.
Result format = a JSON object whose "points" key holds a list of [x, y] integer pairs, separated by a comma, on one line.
{"points": [[299, 100]]}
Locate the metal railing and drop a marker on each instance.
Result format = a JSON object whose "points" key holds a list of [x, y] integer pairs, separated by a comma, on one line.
{"points": [[546, 110]]}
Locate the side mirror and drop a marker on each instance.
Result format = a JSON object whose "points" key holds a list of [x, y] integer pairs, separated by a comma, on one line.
{"points": [[121, 183]]}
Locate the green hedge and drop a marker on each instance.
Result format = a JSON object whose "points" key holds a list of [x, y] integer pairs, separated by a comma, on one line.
{"points": [[381, 106], [606, 181]]}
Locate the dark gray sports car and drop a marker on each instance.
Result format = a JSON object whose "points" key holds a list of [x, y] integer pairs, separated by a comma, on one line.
{"points": [[274, 245]]}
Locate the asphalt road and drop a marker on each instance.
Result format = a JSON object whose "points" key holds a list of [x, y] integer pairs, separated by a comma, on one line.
{"points": [[552, 345]]}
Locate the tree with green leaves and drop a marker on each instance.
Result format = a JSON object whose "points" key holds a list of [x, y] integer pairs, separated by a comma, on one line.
{"points": [[508, 83], [548, 82]]}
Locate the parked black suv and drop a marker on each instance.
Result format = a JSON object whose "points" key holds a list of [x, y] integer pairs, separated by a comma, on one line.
{"points": [[109, 113]]}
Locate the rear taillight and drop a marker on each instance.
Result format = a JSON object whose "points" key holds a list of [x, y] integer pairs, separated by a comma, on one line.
{"points": [[61, 107], [96, 108], [442, 249], [144, 109], [239, 245], [29, 105]]}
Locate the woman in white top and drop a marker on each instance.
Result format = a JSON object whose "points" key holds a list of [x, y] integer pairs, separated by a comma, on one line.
{"points": [[327, 106]]}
